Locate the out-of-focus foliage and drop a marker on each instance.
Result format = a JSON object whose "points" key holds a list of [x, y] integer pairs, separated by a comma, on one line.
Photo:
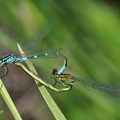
{"points": [[88, 31]]}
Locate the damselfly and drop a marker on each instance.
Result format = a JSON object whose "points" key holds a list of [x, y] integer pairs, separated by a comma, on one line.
{"points": [[68, 80], [31, 48]]}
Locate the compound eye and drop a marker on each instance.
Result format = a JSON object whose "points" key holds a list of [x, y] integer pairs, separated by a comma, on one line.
{"points": [[54, 72]]}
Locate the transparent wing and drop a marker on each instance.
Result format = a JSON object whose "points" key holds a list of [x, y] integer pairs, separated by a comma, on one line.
{"points": [[32, 44], [104, 89]]}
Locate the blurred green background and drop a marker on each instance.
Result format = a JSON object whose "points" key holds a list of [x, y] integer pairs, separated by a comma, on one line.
{"points": [[88, 31]]}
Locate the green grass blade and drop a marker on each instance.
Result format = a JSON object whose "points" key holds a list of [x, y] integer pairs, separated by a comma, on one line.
{"points": [[9, 101], [48, 99]]}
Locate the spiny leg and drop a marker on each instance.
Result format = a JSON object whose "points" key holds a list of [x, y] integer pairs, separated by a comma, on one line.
{"points": [[4, 76], [55, 82], [6, 72]]}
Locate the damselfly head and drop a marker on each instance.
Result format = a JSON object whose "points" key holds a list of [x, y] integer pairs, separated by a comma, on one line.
{"points": [[54, 71]]}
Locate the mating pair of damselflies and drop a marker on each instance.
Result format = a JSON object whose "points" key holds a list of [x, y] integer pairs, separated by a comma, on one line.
{"points": [[67, 80]]}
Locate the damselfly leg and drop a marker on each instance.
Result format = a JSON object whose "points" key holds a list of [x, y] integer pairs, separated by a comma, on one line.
{"points": [[3, 77], [6, 72]]}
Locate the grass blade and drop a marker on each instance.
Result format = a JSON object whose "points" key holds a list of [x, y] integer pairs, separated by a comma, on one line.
{"points": [[9, 101]]}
